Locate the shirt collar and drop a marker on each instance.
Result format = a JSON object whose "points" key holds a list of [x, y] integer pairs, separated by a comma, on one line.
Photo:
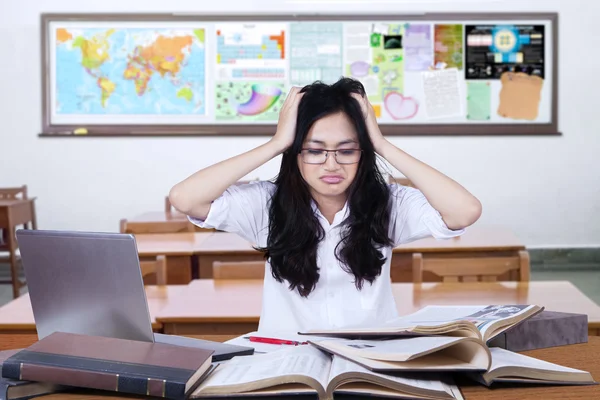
{"points": [[339, 217]]}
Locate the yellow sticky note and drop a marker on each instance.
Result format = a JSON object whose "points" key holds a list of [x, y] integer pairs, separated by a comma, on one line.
{"points": [[377, 109], [218, 59], [80, 131]]}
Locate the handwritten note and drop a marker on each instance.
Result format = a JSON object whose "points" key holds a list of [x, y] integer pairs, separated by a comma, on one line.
{"points": [[479, 97], [442, 93]]}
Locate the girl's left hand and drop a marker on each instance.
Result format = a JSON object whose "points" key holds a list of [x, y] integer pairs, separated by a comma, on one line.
{"points": [[370, 120]]}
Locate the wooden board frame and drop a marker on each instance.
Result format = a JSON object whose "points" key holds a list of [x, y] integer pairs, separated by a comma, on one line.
{"points": [[456, 129]]}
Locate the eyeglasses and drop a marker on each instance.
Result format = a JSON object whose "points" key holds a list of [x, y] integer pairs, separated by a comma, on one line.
{"points": [[319, 156]]}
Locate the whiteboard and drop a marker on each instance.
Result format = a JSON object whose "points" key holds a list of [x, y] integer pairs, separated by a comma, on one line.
{"points": [[448, 74]]}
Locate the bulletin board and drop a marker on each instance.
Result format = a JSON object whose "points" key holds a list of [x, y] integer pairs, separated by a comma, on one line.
{"points": [[196, 74]]}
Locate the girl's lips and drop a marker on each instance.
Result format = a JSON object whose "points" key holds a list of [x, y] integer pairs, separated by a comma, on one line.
{"points": [[332, 179]]}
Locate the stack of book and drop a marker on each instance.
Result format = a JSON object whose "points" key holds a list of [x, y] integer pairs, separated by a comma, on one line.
{"points": [[416, 356], [64, 361]]}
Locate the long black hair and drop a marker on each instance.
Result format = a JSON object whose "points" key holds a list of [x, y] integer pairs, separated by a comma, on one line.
{"points": [[294, 228]]}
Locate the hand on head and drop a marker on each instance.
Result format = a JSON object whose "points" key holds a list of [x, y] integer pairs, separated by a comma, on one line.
{"points": [[286, 126]]}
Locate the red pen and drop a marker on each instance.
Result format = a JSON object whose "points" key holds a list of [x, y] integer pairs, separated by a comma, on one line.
{"points": [[259, 339]]}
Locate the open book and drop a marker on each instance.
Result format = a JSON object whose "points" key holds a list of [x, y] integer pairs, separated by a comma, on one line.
{"points": [[427, 353], [481, 322], [514, 367], [420, 354], [305, 370]]}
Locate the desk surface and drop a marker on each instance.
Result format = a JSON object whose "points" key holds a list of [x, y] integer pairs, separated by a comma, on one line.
{"points": [[205, 243], [206, 300], [17, 315], [475, 238], [580, 356], [170, 244]]}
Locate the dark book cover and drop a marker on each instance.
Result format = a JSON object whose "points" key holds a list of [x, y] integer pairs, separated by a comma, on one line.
{"points": [[119, 365], [11, 389], [546, 329]]}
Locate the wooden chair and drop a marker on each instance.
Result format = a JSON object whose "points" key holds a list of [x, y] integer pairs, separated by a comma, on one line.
{"points": [[155, 269], [238, 270], [400, 181], [155, 227], [472, 269], [13, 193]]}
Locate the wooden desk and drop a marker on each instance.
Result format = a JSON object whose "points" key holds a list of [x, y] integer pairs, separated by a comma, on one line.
{"points": [[179, 250], [580, 356], [17, 315], [233, 307], [12, 214], [477, 242], [169, 221], [480, 242]]}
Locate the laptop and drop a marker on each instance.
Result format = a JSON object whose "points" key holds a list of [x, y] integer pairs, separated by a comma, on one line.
{"points": [[91, 283]]}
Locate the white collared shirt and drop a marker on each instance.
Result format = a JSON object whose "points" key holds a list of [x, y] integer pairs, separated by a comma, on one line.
{"points": [[335, 301]]}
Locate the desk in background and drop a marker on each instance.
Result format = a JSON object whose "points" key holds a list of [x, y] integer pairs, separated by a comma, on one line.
{"points": [[581, 356], [16, 317], [179, 250], [233, 307], [475, 243]]}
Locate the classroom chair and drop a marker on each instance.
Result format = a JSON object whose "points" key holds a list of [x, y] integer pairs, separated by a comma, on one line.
{"points": [[400, 181], [472, 269], [156, 268], [13, 193], [238, 270]]}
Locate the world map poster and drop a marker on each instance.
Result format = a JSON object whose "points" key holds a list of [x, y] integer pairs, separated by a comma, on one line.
{"points": [[128, 73]]}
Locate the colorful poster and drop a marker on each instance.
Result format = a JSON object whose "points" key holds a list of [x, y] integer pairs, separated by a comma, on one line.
{"points": [[495, 49], [251, 68], [250, 51], [479, 99], [448, 45], [105, 73], [315, 52], [357, 56], [418, 47], [375, 56], [243, 44], [249, 101], [442, 93], [520, 96]]}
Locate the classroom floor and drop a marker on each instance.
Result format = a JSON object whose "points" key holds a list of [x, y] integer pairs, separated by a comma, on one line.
{"points": [[588, 281]]}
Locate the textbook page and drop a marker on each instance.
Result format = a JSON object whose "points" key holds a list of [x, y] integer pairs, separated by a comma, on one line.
{"points": [[340, 366], [392, 349], [298, 360], [483, 316], [260, 348], [505, 358]]}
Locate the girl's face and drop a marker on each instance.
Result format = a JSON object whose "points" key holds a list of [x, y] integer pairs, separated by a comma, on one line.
{"points": [[329, 158]]}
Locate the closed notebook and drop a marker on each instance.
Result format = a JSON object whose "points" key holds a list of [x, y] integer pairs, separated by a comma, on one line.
{"points": [[11, 389], [119, 365]]}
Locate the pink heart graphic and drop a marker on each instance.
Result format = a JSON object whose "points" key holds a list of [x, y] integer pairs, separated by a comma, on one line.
{"points": [[400, 107]]}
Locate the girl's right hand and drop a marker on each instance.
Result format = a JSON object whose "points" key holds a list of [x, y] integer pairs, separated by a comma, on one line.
{"points": [[286, 126]]}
